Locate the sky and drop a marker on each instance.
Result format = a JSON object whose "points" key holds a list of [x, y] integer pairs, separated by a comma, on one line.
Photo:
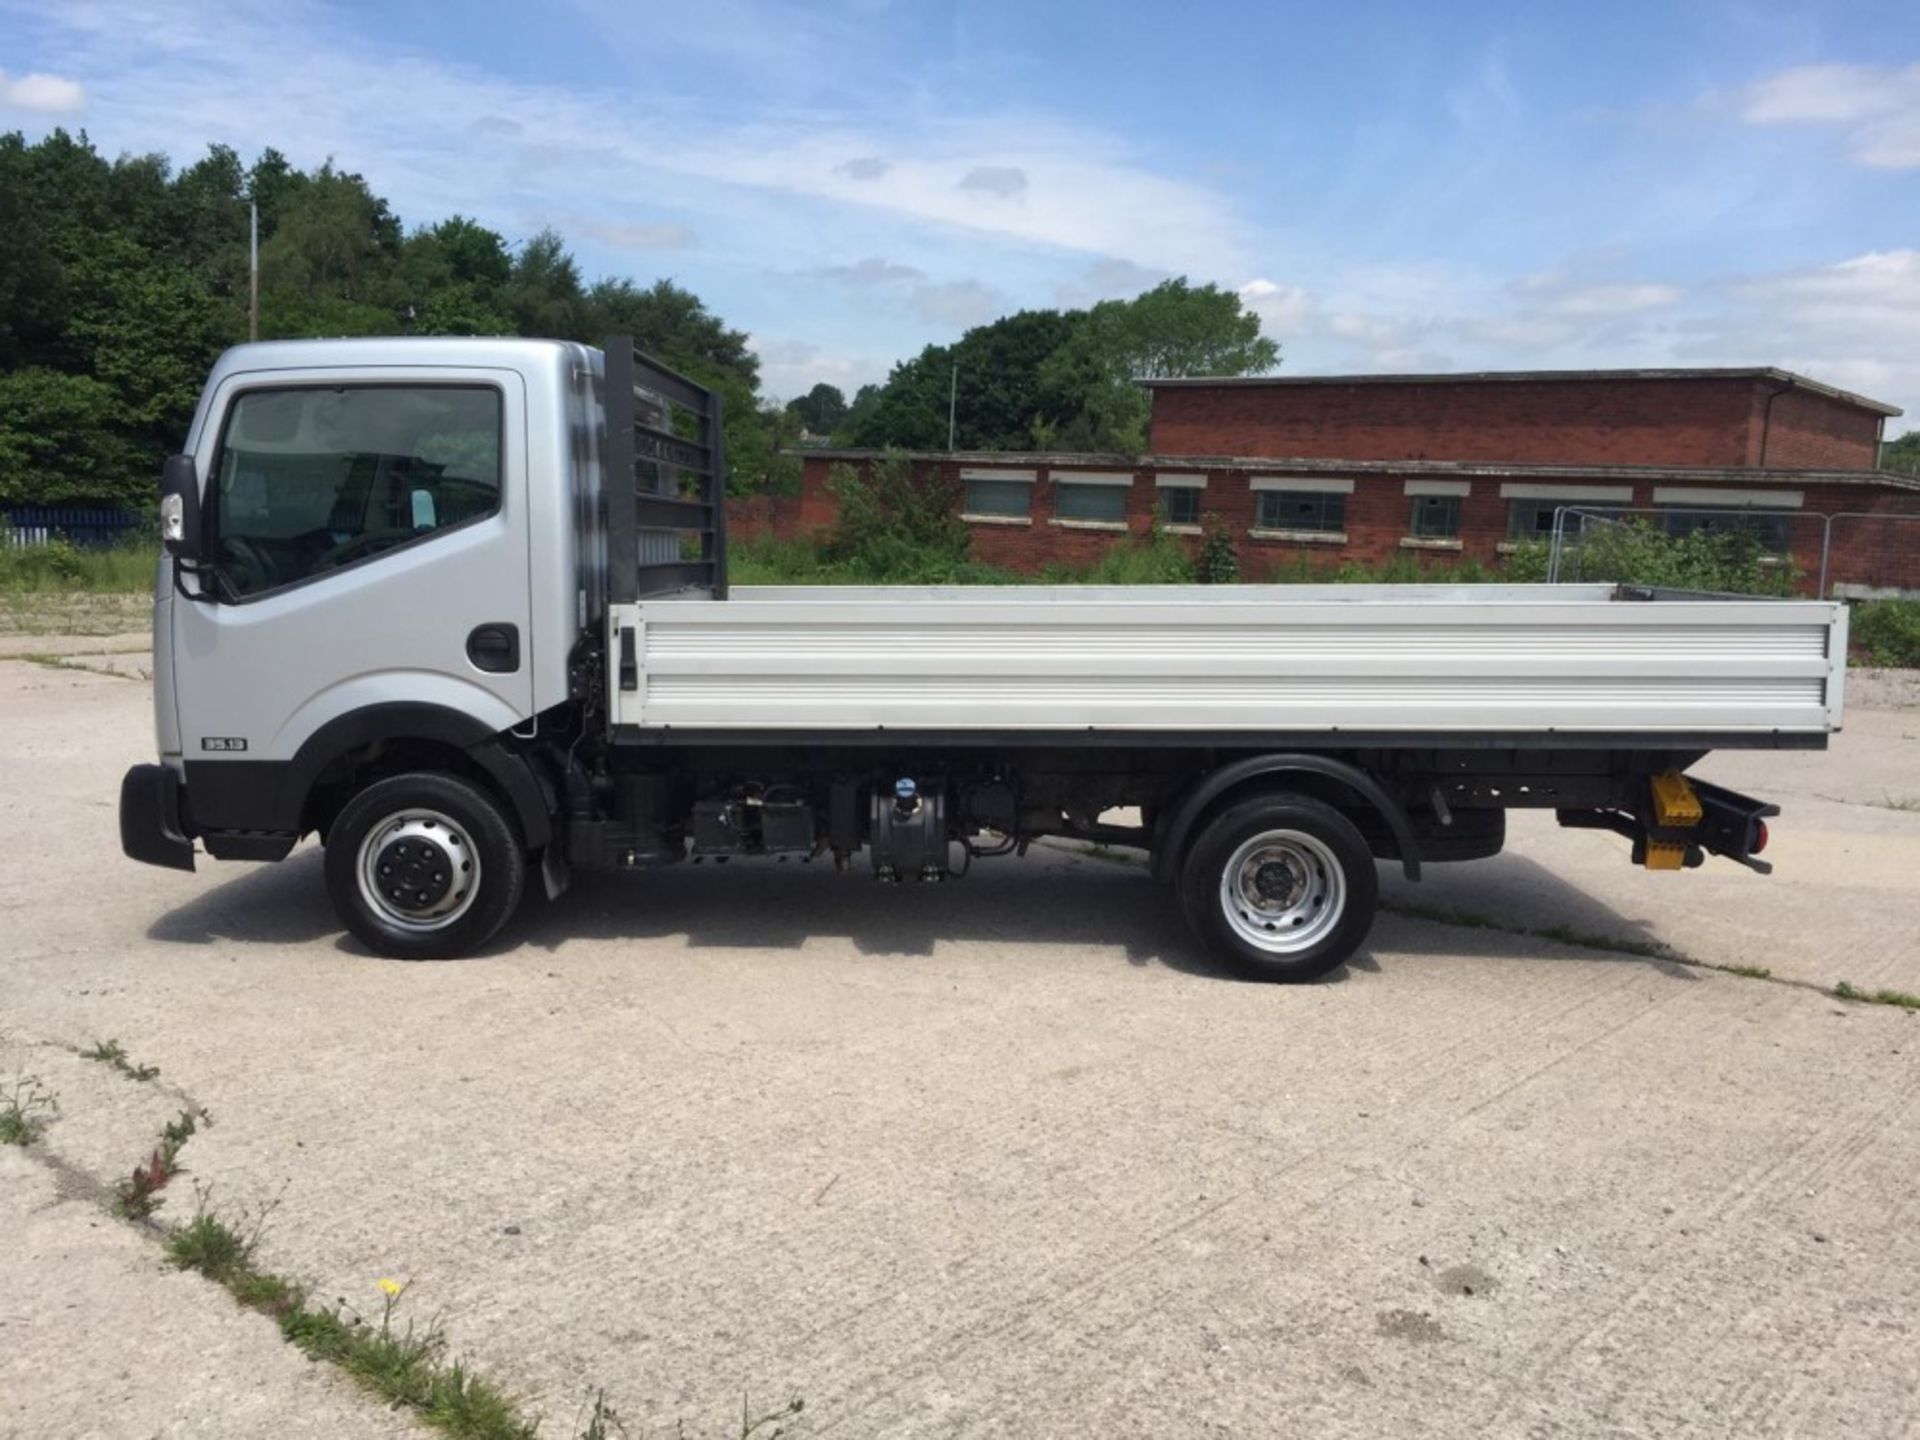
{"points": [[1395, 186]]}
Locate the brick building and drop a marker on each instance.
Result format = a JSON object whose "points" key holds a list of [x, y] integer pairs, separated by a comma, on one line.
{"points": [[1442, 468]]}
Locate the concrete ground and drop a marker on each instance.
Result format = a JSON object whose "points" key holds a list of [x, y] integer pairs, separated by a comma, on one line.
{"points": [[1005, 1157]]}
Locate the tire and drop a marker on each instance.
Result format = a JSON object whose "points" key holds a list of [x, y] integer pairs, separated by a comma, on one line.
{"points": [[1283, 887], [399, 853]]}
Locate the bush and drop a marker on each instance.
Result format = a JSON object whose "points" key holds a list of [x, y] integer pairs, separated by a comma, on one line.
{"points": [[1156, 559], [896, 526], [1634, 552], [1887, 632], [1219, 562]]}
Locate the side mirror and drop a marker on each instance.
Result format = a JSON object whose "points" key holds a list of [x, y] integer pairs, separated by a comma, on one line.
{"points": [[180, 508]]}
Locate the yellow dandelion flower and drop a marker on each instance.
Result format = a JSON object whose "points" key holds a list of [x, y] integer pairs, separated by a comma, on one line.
{"points": [[392, 1287]]}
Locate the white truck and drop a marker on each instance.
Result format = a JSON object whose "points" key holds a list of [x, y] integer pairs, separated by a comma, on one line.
{"points": [[459, 607]]}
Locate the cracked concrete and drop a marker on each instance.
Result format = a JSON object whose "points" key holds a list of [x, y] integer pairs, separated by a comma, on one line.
{"points": [[1006, 1156]]}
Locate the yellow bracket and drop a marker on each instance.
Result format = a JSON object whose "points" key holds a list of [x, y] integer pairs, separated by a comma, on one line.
{"points": [[1666, 855], [1674, 804]]}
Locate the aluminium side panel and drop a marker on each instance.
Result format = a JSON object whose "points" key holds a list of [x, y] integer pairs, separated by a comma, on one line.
{"points": [[1252, 659]]}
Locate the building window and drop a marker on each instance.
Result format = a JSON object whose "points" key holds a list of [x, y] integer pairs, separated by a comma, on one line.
{"points": [[1000, 497], [1772, 528], [1300, 510], [1090, 502], [1435, 517], [1180, 505], [1533, 519]]}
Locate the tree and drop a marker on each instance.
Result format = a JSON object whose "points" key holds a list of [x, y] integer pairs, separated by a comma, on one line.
{"points": [[997, 390], [1174, 329], [1047, 379], [61, 440], [1902, 454], [121, 281], [543, 294], [822, 409]]}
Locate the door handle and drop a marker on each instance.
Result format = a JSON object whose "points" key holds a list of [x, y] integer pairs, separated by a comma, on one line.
{"points": [[495, 648]]}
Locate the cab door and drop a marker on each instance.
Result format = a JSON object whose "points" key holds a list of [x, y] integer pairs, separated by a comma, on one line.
{"points": [[366, 544]]}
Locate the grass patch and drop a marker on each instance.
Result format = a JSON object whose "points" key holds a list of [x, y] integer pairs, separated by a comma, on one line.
{"points": [[58, 566], [110, 1052], [26, 1109], [74, 612], [1748, 972], [1900, 999]]}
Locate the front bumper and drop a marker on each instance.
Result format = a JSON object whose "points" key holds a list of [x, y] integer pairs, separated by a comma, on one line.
{"points": [[150, 828]]}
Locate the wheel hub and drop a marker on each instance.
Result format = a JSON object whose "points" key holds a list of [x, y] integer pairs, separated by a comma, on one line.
{"points": [[419, 870], [414, 873], [1283, 891], [1279, 883]]}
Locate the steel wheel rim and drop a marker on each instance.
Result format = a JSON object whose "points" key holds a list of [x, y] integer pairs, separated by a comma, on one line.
{"points": [[399, 879], [1283, 891]]}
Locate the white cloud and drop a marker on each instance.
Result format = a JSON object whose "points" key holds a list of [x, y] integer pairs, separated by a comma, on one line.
{"points": [[1878, 106], [1599, 301], [869, 273], [1281, 308], [1109, 279], [42, 94], [1004, 181], [1855, 324], [959, 303], [636, 236], [790, 367]]}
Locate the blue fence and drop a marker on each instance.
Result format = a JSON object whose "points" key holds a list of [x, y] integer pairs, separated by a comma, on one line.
{"points": [[86, 526]]}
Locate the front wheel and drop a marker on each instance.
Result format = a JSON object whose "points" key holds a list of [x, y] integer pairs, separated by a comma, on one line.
{"points": [[424, 867], [1282, 885]]}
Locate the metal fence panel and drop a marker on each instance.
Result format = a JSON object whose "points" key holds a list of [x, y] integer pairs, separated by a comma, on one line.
{"points": [[85, 526]]}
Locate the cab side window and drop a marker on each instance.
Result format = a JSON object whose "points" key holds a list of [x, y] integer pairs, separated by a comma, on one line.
{"points": [[316, 478]]}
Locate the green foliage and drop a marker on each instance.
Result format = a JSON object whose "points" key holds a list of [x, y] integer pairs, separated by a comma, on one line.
{"points": [[121, 282], [59, 566], [1049, 379], [1154, 559], [1887, 632], [26, 1109], [1219, 561], [896, 524], [62, 439], [112, 1052], [822, 409], [1902, 454], [1175, 329], [1635, 552]]}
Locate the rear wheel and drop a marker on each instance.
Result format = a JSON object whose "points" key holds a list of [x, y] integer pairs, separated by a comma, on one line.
{"points": [[1282, 886], [424, 867]]}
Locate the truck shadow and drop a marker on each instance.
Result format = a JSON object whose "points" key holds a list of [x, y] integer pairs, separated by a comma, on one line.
{"points": [[1052, 900]]}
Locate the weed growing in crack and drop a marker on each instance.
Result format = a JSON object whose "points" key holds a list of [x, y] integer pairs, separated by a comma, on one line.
{"points": [[1900, 999], [110, 1052], [405, 1366], [601, 1422], [750, 1427], [26, 1109], [138, 1196], [219, 1251], [403, 1363]]}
